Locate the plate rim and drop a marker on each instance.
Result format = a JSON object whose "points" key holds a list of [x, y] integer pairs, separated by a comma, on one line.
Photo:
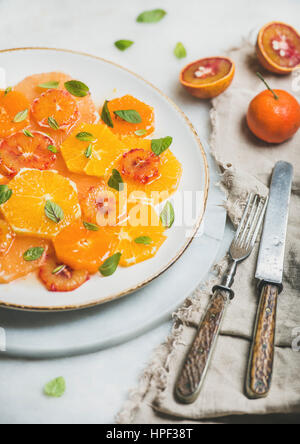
{"points": [[124, 293]]}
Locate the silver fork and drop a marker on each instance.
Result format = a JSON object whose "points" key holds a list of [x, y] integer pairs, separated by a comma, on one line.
{"points": [[196, 364]]}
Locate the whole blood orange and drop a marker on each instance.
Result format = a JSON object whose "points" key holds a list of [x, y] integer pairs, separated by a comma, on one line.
{"points": [[274, 116], [278, 48], [208, 78]]}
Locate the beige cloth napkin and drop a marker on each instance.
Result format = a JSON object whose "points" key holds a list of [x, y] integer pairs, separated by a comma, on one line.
{"points": [[246, 164]]}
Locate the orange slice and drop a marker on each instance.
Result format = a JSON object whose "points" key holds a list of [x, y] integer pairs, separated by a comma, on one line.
{"points": [[30, 88], [131, 103], [278, 48], [82, 249], [13, 265], [58, 277], [25, 210], [142, 236], [7, 237], [105, 148], [11, 104], [208, 78], [57, 105], [20, 151], [160, 187]]}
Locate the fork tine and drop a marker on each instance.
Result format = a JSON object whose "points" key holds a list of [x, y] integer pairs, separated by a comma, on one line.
{"points": [[249, 221], [254, 222], [259, 222], [241, 225]]}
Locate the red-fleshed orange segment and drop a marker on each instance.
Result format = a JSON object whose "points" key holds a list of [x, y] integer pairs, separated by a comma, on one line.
{"points": [[140, 165], [13, 264], [58, 277], [11, 104], [162, 185], [7, 237], [129, 102], [57, 105], [82, 249], [23, 151]]}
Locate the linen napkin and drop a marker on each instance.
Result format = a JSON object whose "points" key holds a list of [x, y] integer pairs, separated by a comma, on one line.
{"points": [[246, 165]]}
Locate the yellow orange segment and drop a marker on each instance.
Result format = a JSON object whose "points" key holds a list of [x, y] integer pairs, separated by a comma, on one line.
{"points": [[82, 249], [13, 266], [162, 186], [141, 236], [25, 210], [7, 237], [11, 104], [129, 102], [105, 148]]}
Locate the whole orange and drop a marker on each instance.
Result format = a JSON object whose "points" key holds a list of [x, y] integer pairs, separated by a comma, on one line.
{"points": [[274, 116]]}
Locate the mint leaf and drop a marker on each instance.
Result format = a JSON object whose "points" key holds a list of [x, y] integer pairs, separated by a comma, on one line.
{"points": [[59, 269], [122, 45], [143, 240], [55, 388], [53, 211], [167, 215], [116, 182], [129, 115], [91, 227], [152, 16], [33, 254], [21, 116], [140, 132], [180, 51], [28, 133], [5, 194], [53, 123], [105, 115], [52, 148], [88, 151], [8, 90], [110, 265], [77, 88], [49, 85], [158, 146], [85, 137]]}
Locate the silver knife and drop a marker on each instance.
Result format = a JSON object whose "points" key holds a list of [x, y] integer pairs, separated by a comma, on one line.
{"points": [[269, 272]]}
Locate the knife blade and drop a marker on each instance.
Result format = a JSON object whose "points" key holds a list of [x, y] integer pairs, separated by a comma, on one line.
{"points": [[269, 272]]}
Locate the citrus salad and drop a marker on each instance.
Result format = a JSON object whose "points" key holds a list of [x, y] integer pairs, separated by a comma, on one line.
{"points": [[79, 185]]}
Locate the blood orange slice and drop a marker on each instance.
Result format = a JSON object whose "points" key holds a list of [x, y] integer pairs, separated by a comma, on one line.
{"points": [[208, 78], [23, 151], [14, 112]]}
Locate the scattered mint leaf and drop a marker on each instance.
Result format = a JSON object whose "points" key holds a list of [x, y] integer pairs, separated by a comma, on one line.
{"points": [[110, 265], [180, 51], [21, 116], [49, 85], [152, 16], [33, 254], [5, 194], [85, 137], [55, 388], [77, 88], [8, 90], [158, 146], [143, 240], [167, 215], [53, 123], [53, 212], [105, 115], [116, 182], [52, 148], [129, 115], [28, 133], [122, 45], [140, 132], [58, 269], [88, 151], [91, 227]]}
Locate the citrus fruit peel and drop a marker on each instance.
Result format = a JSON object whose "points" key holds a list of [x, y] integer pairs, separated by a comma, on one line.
{"points": [[208, 78], [278, 48]]}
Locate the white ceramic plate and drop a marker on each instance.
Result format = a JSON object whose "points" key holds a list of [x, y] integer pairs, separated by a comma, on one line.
{"points": [[107, 80]]}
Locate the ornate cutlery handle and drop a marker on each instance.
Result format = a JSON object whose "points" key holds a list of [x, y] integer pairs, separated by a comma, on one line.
{"points": [[194, 369], [260, 370]]}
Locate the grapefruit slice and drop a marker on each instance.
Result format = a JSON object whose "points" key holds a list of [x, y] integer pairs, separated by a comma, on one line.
{"points": [[208, 78], [141, 237], [60, 278], [32, 190], [123, 127], [13, 265], [278, 48], [14, 112], [7, 237], [22, 151]]}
